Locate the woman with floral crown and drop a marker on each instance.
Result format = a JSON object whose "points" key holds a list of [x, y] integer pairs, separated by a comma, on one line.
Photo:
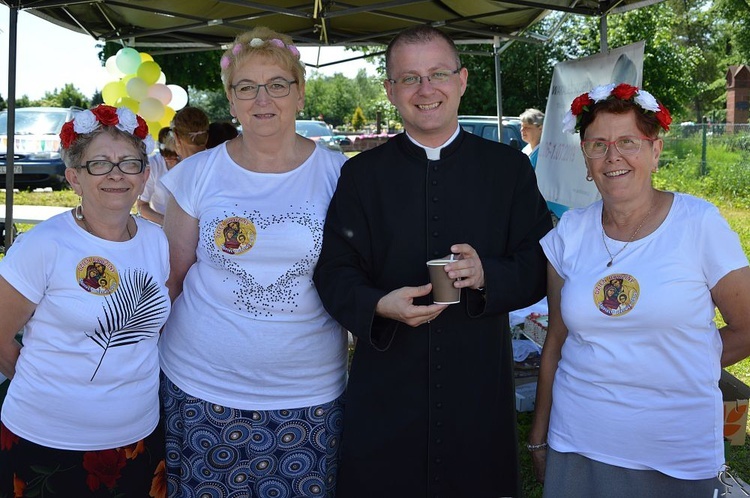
{"points": [[254, 366], [628, 402], [88, 290]]}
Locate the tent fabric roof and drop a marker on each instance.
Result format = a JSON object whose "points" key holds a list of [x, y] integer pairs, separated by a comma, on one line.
{"points": [[163, 26]]}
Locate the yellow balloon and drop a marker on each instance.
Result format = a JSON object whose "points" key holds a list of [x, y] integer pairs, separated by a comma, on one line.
{"points": [[149, 72], [113, 91], [166, 119], [153, 129], [131, 104], [145, 57]]}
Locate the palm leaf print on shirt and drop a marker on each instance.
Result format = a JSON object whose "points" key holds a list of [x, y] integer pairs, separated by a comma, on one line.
{"points": [[131, 314]]}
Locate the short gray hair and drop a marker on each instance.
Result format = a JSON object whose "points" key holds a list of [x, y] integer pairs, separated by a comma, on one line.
{"points": [[532, 117]]}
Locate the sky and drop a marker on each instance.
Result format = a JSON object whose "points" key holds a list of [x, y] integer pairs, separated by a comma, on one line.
{"points": [[49, 57]]}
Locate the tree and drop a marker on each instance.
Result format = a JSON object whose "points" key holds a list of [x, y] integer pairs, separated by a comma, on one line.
{"points": [[358, 119], [213, 102], [334, 97], [24, 101], [669, 65], [71, 96], [3, 105]]}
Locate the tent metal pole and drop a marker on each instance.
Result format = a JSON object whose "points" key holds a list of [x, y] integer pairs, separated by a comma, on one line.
{"points": [[11, 131], [603, 33], [498, 87]]}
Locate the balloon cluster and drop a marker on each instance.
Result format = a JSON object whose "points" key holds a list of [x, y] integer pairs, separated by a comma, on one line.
{"points": [[140, 86]]}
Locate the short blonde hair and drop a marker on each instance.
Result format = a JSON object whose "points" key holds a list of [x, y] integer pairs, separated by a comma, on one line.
{"points": [[266, 43]]}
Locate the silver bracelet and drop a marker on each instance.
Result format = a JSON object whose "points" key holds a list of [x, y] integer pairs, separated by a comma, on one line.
{"points": [[536, 447]]}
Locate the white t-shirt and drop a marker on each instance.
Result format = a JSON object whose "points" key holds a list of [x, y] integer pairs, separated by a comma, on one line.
{"points": [[88, 374], [637, 385], [249, 330], [154, 192]]}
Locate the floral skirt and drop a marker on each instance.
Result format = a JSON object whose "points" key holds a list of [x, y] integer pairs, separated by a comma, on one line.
{"points": [[133, 471], [222, 452]]}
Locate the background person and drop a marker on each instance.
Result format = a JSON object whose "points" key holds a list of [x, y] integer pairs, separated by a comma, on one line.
{"points": [[253, 362], [88, 289], [190, 130], [531, 132], [430, 407], [152, 203], [618, 369], [219, 132]]}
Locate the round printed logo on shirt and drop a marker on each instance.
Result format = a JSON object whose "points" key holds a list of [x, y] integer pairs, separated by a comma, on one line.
{"points": [[616, 294], [97, 275], [235, 235]]}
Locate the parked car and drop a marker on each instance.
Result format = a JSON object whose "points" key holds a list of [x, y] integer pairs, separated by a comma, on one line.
{"points": [[486, 127], [321, 133], [36, 158]]}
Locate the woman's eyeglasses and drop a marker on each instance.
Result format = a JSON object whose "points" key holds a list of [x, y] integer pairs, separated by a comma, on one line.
{"points": [[100, 167], [278, 88], [627, 146]]}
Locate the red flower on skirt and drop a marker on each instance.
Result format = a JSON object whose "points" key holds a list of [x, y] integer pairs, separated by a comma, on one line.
{"points": [[159, 482], [19, 487], [7, 438], [104, 467]]}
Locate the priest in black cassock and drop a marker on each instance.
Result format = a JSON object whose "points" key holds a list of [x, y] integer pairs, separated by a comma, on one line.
{"points": [[430, 405]]}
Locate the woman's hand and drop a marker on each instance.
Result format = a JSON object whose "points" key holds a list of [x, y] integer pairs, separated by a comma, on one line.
{"points": [[539, 461]]}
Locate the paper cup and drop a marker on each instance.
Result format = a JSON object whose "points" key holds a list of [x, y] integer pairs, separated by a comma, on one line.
{"points": [[443, 291]]}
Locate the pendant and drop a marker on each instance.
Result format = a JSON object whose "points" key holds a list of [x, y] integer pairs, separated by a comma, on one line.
{"points": [[609, 264]]}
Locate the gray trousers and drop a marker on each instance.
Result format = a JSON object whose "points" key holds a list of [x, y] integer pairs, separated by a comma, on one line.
{"points": [[570, 475]]}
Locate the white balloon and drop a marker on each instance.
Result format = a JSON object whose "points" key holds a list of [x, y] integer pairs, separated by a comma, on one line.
{"points": [[179, 97], [111, 66], [162, 78]]}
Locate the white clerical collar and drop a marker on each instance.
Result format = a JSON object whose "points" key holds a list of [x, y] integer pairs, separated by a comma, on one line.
{"points": [[433, 153]]}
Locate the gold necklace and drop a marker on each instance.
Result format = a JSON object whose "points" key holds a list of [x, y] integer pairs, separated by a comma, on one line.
{"points": [[632, 237], [79, 215]]}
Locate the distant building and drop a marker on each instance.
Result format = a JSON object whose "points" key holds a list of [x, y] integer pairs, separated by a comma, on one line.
{"points": [[738, 96]]}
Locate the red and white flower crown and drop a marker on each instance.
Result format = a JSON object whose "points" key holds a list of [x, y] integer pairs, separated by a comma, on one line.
{"points": [[623, 91], [122, 118]]}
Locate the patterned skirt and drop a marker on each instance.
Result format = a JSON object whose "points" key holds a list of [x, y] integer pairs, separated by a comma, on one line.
{"points": [[31, 470], [218, 452]]}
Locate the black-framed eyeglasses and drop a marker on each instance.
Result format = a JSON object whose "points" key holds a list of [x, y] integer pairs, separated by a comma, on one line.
{"points": [[247, 90], [627, 146], [435, 78], [99, 167]]}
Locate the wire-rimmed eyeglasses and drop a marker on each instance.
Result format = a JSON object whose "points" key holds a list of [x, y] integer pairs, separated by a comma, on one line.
{"points": [[99, 167], [247, 90], [435, 78], [627, 146]]}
